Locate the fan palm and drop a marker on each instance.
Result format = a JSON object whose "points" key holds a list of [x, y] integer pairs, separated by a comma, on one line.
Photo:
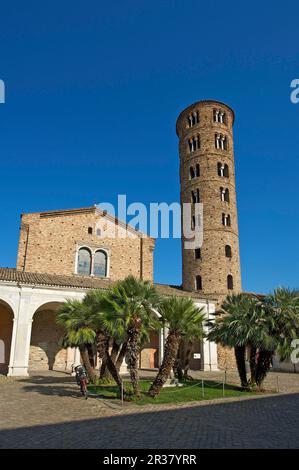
{"points": [[183, 319], [77, 320], [129, 308], [238, 327], [107, 329]]}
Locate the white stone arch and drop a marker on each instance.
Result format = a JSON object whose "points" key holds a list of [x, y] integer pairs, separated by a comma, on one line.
{"points": [[7, 302], [7, 322], [45, 348]]}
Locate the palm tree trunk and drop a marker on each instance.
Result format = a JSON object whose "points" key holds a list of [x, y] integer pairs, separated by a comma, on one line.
{"points": [[133, 355], [240, 360], [86, 363], [262, 367], [187, 359], [121, 356], [113, 372], [170, 354], [252, 364], [105, 373]]}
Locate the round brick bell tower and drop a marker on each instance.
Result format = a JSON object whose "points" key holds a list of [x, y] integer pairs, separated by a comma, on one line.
{"points": [[207, 175]]}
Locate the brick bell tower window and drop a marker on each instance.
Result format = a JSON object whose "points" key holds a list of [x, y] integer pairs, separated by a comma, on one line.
{"points": [[230, 282], [221, 142], [223, 170], [219, 116], [224, 194], [228, 251], [198, 283], [193, 119], [84, 262], [100, 264], [194, 143]]}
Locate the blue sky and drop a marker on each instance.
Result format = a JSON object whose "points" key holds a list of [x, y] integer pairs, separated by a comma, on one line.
{"points": [[93, 90]]}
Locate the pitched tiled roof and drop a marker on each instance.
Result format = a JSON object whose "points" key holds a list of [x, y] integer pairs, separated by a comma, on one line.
{"points": [[79, 282]]}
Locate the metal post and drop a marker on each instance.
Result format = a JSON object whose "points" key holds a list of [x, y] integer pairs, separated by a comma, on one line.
{"points": [[202, 388], [223, 389], [122, 393], [225, 376], [277, 384]]}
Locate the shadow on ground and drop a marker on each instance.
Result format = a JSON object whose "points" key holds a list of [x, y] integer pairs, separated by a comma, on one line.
{"points": [[269, 422], [60, 385]]}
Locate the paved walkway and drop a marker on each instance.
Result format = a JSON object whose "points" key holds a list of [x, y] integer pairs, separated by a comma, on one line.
{"points": [[46, 411]]}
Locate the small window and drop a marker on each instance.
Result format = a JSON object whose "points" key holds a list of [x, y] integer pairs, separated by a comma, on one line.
{"points": [[99, 232], [198, 283], [221, 142], [193, 119], [84, 262], [100, 264], [230, 282], [192, 173], [228, 251], [224, 194], [194, 143], [219, 116], [223, 170], [197, 253], [90, 230], [226, 220], [197, 170], [195, 197]]}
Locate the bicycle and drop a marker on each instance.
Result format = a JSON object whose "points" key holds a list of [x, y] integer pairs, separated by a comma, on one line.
{"points": [[82, 381]]}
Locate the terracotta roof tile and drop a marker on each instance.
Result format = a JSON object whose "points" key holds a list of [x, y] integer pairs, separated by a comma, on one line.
{"points": [[78, 282]]}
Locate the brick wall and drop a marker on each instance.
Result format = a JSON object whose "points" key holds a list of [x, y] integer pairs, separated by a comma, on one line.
{"points": [[49, 243], [45, 346]]}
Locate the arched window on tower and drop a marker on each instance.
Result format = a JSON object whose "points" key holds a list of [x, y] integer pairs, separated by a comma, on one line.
{"points": [[84, 262], [194, 143], [100, 263], [226, 220], [221, 142], [192, 173], [197, 170], [223, 170], [195, 197], [193, 119], [224, 194], [230, 282], [198, 283], [228, 251]]}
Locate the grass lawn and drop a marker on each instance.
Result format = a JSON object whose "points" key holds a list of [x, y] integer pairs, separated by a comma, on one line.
{"points": [[191, 391]]}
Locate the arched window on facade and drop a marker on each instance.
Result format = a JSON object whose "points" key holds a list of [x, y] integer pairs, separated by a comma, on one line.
{"points": [[84, 262], [230, 282], [228, 251], [100, 264]]}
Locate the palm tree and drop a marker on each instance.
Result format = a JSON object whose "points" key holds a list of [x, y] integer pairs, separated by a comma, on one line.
{"points": [[237, 328], [78, 322], [261, 324], [182, 318], [281, 315], [129, 309], [107, 330]]}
